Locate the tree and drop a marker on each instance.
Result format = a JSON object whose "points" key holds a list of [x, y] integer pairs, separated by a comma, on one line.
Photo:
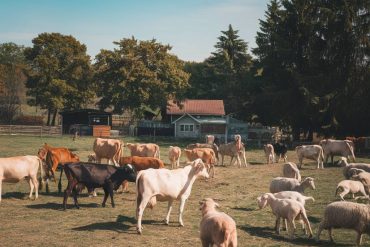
{"points": [[60, 74], [139, 74], [12, 80]]}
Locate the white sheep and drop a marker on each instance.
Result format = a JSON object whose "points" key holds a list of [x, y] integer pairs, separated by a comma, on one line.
{"points": [[291, 184], [174, 154], [347, 166], [216, 228], [290, 170], [363, 177], [347, 215], [350, 186], [288, 209]]}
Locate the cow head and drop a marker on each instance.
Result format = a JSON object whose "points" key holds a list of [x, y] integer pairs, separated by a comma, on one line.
{"points": [[42, 153], [128, 171], [200, 169]]}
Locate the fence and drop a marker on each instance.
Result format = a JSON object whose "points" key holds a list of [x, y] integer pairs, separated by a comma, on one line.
{"points": [[30, 130]]}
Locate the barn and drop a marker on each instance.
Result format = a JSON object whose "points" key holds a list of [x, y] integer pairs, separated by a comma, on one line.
{"points": [[85, 121]]}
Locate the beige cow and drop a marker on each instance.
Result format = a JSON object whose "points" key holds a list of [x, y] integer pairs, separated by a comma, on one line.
{"points": [[269, 153], [166, 185], [234, 149], [109, 149], [343, 148], [312, 152], [174, 154], [144, 150], [207, 155], [15, 169]]}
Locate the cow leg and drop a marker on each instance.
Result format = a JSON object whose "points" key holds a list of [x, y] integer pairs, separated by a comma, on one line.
{"points": [[245, 160], [60, 182], [36, 185], [68, 191], [178, 162], [169, 208], [105, 196], [1, 181], [141, 205], [74, 192], [239, 161], [285, 158], [332, 161], [110, 190], [29, 180], [222, 158], [124, 186], [231, 161], [182, 205], [47, 186]]}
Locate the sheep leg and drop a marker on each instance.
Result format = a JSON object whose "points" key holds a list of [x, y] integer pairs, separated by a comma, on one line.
{"points": [[344, 192], [277, 225], [330, 234], [169, 208], [359, 238], [319, 232], [305, 219], [291, 228]]}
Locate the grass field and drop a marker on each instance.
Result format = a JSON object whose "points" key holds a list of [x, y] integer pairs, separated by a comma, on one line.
{"points": [[43, 223]]}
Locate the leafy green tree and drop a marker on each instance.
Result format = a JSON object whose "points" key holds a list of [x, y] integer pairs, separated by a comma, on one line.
{"points": [[12, 80], [139, 74], [60, 74]]}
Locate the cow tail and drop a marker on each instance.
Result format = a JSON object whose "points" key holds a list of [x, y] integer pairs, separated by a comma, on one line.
{"points": [[352, 152], [322, 154], [49, 163], [138, 194]]}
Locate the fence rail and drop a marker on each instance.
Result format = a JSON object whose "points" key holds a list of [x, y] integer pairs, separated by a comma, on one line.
{"points": [[30, 130]]}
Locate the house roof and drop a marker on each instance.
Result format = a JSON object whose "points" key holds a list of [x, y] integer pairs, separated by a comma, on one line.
{"points": [[196, 106]]}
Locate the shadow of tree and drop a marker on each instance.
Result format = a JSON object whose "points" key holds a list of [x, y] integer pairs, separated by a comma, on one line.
{"points": [[269, 233]]}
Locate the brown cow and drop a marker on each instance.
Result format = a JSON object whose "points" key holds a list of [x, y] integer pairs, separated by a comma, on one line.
{"points": [[139, 163], [55, 157], [144, 150], [207, 155], [109, 149]]}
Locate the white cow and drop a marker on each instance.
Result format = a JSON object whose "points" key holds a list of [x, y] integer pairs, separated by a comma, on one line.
{"points": [[312, 152], [269, 153], [166, 185], [343, 148], [109, 149], [14, 169]]}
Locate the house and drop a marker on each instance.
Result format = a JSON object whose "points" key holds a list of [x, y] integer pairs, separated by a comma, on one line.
{"points": [[197, 118]]}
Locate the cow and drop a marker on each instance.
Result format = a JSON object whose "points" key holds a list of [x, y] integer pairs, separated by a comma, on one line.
{"points": [[109, 149], [14, 169], [269, 153], [94, 176], [234, 149], [210, 139], [144, 150], [280, 150], [204, 145], [174, 154], [343, 148], [166, 185], [140, 163], [312, 152], [205, 154]]}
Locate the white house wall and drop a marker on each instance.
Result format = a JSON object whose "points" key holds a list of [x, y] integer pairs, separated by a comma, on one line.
{"points": [[187, 134]]}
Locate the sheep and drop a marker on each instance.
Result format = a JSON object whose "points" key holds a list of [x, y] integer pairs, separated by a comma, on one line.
{"points": [[363, 177], [290, 170], [347, 166], [350, 186], [288, 209], [174, 154], [294, 196], [216, 228], [291, 184], [347, 215]]}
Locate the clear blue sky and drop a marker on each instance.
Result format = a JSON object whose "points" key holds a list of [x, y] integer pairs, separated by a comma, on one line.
{"points": [[191, 27]]}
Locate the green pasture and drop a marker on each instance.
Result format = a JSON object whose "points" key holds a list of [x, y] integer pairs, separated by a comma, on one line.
{"points": [[42, 222]]}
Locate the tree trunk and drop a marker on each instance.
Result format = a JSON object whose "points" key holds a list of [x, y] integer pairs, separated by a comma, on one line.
{"points": [[48, 121], [54, 117], [296, 133]]}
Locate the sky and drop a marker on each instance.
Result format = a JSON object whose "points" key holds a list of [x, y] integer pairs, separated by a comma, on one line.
{"points": [[191, 27]]}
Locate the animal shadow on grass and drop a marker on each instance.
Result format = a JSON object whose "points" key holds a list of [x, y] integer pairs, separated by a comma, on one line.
{"points": [[269, 233], [244, 209], [253, 163], [16, 195], [59, 206], [121, 225]]}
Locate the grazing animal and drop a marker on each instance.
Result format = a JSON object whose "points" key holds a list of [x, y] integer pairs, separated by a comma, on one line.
{"points": [[290, 170], [363, 177], [140, 163], [269, 153], [350, 186], [291, 184], [205, 154], [210, 139], [94, 176], [234, 149], [144, 150], [343, 148], [348, 166], [312, 152], [287, 209], [216, 228], [347, 215], [280, 150], [15, 169], [109, 149], [174, 154], [166, 185], [204, 145], [91, 158]]}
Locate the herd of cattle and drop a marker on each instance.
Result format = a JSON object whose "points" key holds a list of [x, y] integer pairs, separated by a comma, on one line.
{"points": [[156, 183]]}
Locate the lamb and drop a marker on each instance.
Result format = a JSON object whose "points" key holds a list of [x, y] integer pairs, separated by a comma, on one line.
{"points": [[269, 153], [174, 154], [350, 186], [347, 215], [291, 184], [364, 178], [288, 209], [216, 228], [290, 170], [347, 166]]}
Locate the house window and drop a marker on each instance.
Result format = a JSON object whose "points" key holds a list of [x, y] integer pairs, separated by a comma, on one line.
{"points": [[187, 127]]}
